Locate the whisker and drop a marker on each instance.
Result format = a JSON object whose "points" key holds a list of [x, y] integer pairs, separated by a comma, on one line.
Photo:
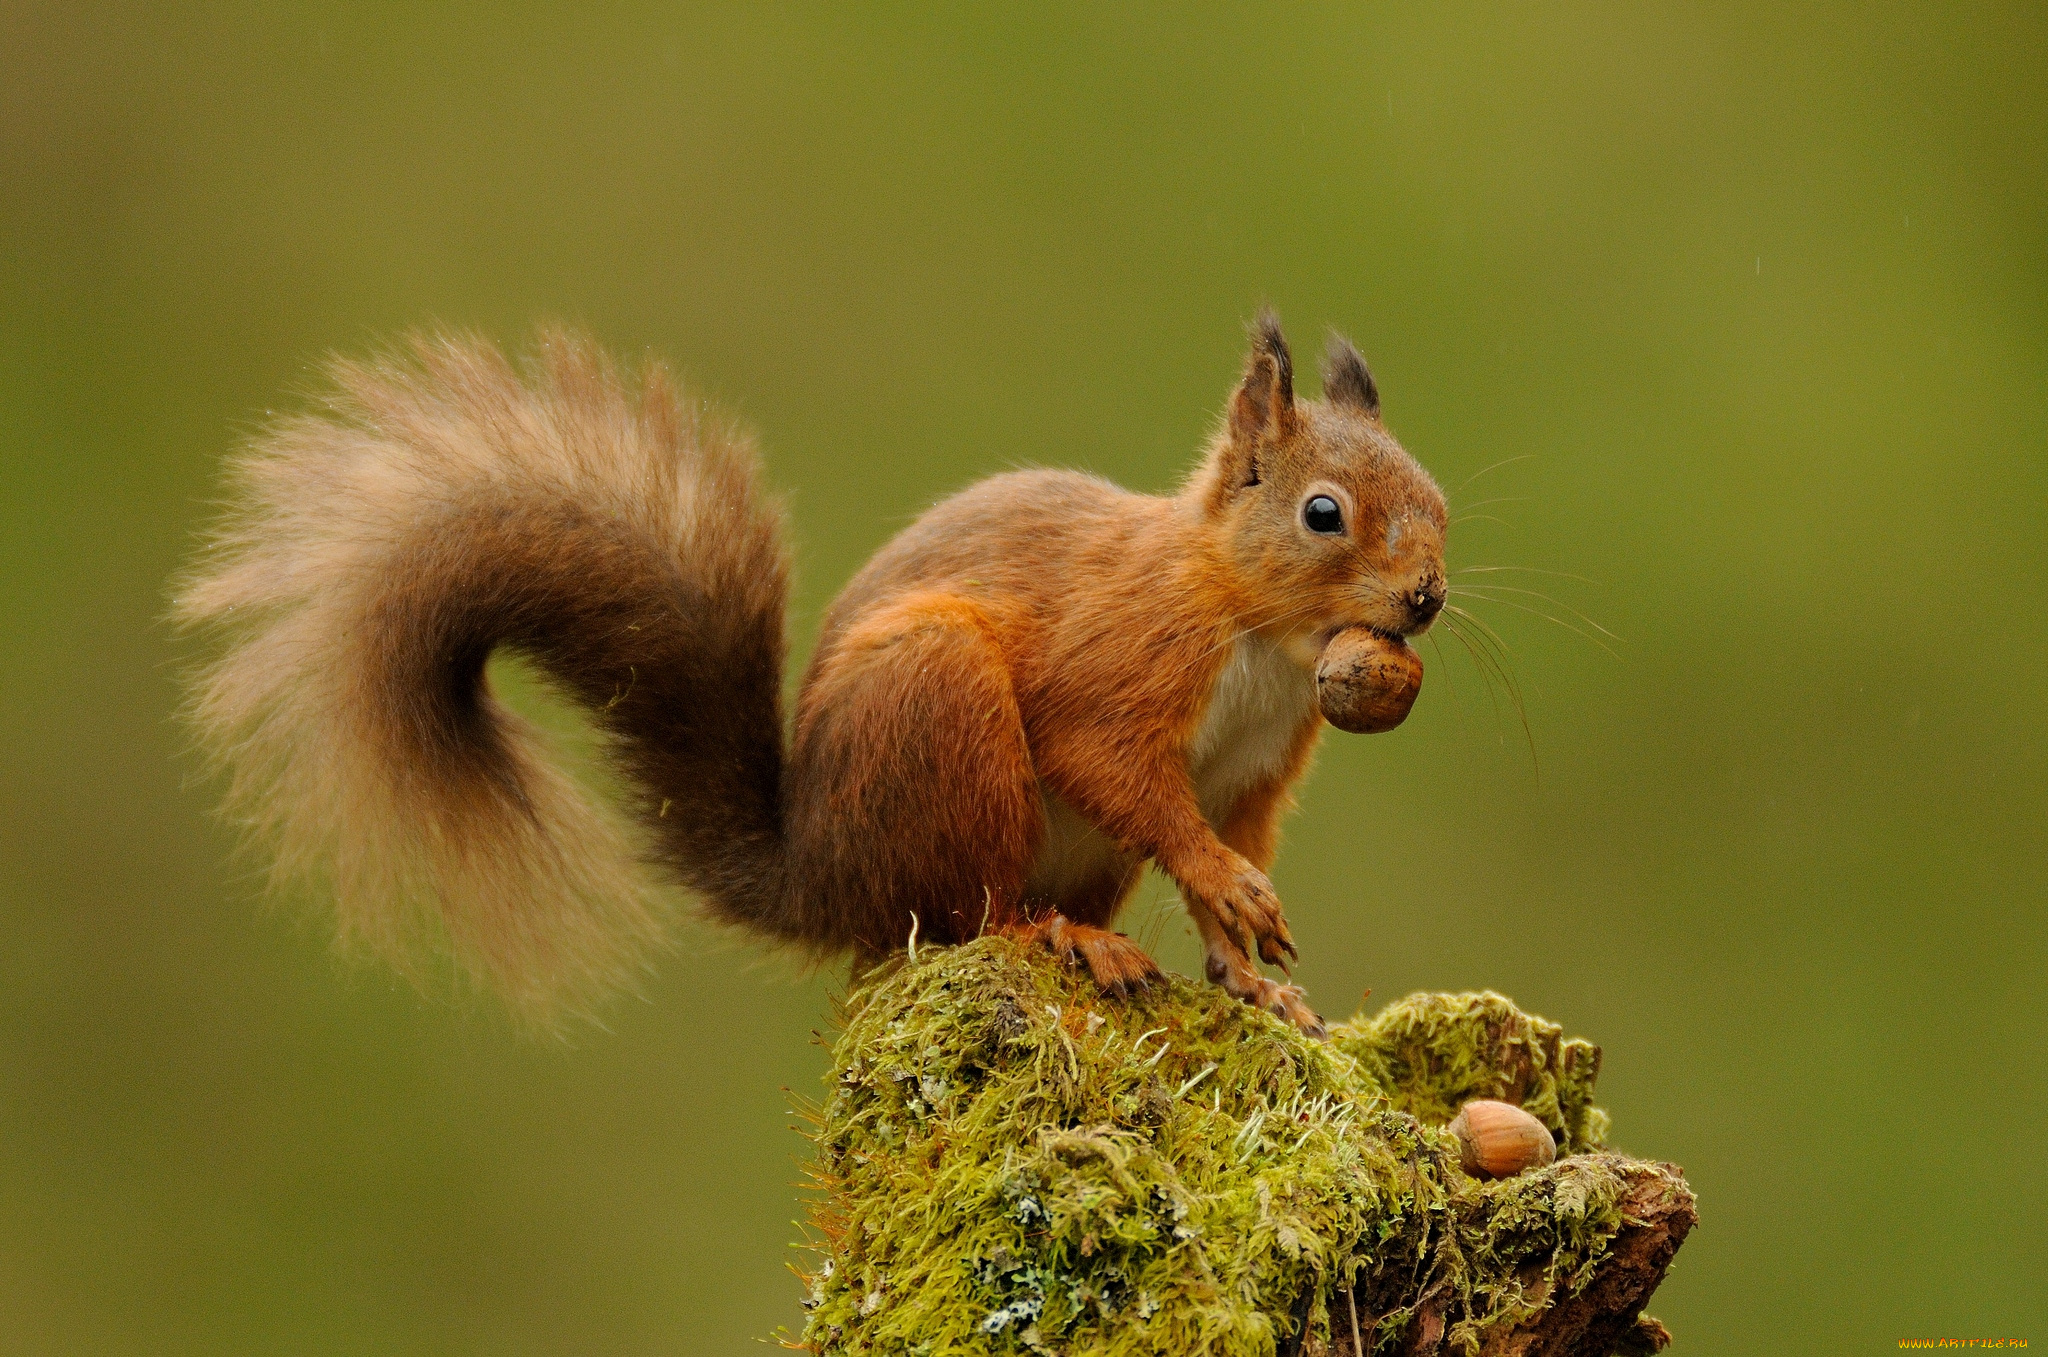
{"points": [[1496, 662], [1482, 590], [1526, 570], [1438, 647], [1247, 630], [1497, 650], [1491, 668], [1480, 518], [1480, 624], [1285, 616], [1505, 461], [1577, 631], [1485, 675], [1493, 665], [1481, 649], [1497, 499]]}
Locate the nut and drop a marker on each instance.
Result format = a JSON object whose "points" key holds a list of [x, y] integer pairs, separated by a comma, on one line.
{"points": [[1499, 1140], [1366, 682]]}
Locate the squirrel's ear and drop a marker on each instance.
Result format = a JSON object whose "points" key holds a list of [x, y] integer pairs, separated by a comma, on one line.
{"points": [[1346, 378], [1263, 404]]}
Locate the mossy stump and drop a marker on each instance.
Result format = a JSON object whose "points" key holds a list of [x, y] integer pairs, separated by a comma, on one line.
{"points": [[1012, 1162]]}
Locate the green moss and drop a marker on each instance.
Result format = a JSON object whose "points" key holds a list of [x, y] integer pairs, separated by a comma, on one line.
{"points": [[1012, 1162], [1433, 1053]]}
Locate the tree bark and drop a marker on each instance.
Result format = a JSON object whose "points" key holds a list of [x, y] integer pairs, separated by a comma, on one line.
{"points": [[1602, 1319]]}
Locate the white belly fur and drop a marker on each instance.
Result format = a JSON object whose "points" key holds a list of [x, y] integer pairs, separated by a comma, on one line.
{"points": [[1261, 699]]}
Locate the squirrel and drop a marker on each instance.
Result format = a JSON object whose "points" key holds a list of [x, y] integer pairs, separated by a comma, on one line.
{"points": [[1039, 685]]}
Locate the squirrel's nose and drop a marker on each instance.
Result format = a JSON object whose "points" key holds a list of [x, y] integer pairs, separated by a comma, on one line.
{"points": [[1425, 601]]}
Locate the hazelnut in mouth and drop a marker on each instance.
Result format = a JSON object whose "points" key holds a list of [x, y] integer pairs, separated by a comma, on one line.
{"points": [[1366, 680]]}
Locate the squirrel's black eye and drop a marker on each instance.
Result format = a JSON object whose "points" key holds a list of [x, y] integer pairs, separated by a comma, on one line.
{"points": [[1321, 514]]}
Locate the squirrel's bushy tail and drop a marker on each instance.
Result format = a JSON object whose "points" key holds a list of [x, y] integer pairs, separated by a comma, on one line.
{"points": [[443, 504]]}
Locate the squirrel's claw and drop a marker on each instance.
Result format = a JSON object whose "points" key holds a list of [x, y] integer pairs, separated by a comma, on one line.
{"points": [[1287, 1001], [1249, 910], [1277, 948], [1252, 914], [1234, 971]]}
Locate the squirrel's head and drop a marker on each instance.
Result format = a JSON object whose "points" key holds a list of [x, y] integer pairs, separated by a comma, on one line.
{"points": [[1330, 523]]}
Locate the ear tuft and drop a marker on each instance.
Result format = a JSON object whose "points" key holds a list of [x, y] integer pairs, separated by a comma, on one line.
{"points": [[1346, 378], [1264, 401], [1269, 342]]}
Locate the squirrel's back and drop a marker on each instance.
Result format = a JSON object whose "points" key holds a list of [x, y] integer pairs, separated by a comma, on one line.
{"points": [[1019, 534]]}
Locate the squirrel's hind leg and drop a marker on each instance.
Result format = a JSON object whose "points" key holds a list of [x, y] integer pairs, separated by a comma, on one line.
{"points": [[1115, 963], [910, 791]]}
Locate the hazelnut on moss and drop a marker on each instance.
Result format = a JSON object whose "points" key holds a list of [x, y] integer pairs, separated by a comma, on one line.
{"points": [[1499, 1140]]}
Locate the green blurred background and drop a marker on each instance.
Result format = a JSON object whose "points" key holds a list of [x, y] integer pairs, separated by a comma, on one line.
{"points": [[1758, 293]]}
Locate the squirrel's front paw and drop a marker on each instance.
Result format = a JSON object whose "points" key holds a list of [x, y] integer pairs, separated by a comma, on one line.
{"points": [[1249, 910], [1287, 1001], [1239, 979]]}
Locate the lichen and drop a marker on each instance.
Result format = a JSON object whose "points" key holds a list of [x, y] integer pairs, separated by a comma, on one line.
{"points": [[1010, 1161]]}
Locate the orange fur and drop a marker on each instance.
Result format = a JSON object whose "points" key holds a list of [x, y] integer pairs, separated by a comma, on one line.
{"points": [[1042, 683]]}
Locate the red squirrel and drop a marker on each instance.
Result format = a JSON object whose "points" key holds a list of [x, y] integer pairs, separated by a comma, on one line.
{"points": [[1038, 686]]}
